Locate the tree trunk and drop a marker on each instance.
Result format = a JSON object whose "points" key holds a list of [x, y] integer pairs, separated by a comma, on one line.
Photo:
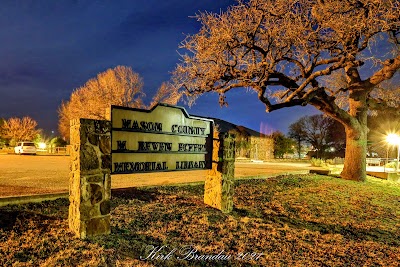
{"points": [[299, 148], [355, 155]]}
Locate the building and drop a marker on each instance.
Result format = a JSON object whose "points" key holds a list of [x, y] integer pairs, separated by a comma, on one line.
{"points": [[249, 143]]}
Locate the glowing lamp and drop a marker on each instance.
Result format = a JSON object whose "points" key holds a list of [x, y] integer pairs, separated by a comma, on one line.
{"points": [[42, 145], [393, 139]]}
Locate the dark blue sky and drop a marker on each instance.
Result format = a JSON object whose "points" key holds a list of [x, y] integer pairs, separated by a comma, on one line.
{"points": [[49, 48]]}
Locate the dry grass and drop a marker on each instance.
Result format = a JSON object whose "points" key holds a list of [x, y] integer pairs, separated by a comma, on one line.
{"points": [[297, 220]]}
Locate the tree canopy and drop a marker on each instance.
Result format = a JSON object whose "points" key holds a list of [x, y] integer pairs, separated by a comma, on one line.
{"points": [[297, 133], [17, 129], [324, 133], [285, 50], [282, 144], [119, 86]]}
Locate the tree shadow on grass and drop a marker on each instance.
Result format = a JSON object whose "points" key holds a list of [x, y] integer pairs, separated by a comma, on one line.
{"points": [[151, 251], [146, 195], [347, 231], [128, 243], [8, 219], [19, 218]]}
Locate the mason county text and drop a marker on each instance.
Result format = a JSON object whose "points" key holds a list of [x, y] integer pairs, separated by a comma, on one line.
{"points": [[149, 126]]}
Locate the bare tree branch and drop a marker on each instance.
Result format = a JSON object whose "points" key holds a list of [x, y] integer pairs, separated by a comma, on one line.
{"points": [[285, 49]]}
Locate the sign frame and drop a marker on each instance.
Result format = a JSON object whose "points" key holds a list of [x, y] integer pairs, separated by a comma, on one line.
{"points": [[208, 140]]}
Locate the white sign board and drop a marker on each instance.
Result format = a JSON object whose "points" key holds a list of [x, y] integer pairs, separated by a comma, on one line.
{"points": [[165, 138]]}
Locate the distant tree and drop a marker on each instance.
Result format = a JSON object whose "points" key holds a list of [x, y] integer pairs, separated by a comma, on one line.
{"points": [[283, 50], [322, 132], [64, 118], [2, 138], [58, 142], [17, 129], [282, 144], [297, 133], [118, 86], [39, 137], [336, 140]]}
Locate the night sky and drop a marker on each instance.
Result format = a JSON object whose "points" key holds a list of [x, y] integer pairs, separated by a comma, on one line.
{"points": [[49, 48]]}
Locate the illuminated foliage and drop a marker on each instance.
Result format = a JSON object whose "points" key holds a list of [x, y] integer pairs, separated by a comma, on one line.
{"points": [[282, 144], [286, 50], [18, 129], [118, 86]]}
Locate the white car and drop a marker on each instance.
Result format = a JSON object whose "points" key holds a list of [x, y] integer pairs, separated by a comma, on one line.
{"points": [[25, 148]]}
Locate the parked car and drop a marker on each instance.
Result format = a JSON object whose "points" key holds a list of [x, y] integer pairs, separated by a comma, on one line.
{"points": [[25, 148]]}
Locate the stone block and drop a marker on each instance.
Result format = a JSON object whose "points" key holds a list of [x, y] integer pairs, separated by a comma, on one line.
{"points": [[90, 179], [93, 139], [105, 144], [106, 161], [98, 226], [105, 207], [107, 185], [219, 184], [86, 211], [84, 192], [81, 136], [102, 127], [96, 193], [95, 178], [88, 158]]}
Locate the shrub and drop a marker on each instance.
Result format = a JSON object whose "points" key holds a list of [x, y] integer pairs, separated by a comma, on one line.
{"points": [[391, 164], [330, 162], [317, 162]]}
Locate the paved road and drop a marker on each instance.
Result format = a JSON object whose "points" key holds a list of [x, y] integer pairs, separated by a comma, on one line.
{"points": [[27, 174]]}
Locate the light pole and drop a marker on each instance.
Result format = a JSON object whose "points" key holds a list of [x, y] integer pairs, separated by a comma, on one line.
{"points": [[394, 139]]}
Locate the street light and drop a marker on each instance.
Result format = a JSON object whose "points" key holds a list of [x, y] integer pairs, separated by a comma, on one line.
{"points": [[394, 139], [42, 146]]}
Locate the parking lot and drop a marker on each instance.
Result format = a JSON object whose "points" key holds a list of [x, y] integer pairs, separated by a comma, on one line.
{"points": [[40, 174]]}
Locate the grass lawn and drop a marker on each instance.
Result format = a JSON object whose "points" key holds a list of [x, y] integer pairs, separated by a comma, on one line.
{"points": [[301, 220]]}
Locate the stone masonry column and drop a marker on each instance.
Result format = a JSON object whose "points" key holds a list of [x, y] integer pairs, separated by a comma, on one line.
{"points": [[219, 184], [90, 178]]}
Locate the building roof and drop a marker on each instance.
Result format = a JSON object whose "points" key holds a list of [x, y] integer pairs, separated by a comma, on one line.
{"points": [[225, 126]]}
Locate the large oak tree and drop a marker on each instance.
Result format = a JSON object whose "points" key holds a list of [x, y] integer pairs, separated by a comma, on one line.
{"points": [[285, 49]]}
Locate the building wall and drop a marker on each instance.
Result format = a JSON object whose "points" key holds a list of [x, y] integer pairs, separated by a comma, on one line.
{"points": [[250, 146], [243, 146], [262, 148], [253, 147]]}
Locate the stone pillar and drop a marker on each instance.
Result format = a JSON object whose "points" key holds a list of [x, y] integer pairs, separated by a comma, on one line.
{"points": [[90, 178], [219, 185]]}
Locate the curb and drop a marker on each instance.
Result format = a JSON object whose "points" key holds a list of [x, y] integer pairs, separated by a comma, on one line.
{"points": [[266, 176], [31, 199]]}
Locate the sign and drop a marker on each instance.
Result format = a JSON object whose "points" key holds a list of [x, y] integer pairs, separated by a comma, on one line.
{"points": [[165, 138]]}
